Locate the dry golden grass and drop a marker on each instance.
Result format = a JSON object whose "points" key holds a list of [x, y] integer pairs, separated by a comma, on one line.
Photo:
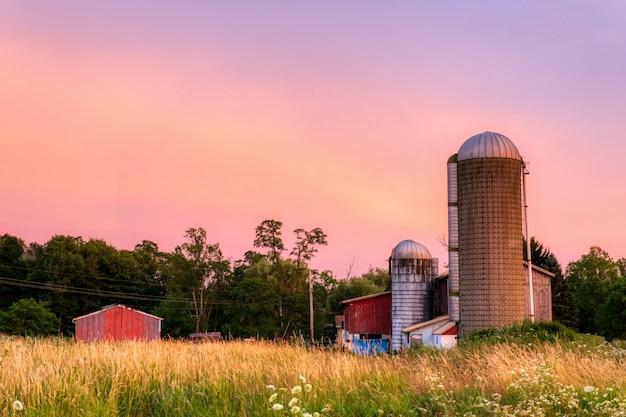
{"points": [[65, 377]]}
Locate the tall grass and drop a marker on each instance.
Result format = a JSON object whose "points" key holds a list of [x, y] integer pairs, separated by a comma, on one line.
{"points": [[60, 378]]}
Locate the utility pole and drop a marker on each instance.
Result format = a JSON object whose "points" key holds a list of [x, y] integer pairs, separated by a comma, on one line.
{"points": [[531, 295], [311, 318]]}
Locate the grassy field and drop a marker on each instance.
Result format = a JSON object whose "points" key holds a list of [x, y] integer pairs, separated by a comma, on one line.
{"points": [[51, 377]]}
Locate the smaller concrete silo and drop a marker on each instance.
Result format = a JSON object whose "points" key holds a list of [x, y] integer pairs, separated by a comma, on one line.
{"points": [[412, 270]]}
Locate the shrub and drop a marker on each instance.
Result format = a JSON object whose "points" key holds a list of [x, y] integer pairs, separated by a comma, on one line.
{"points": [[28, 317], [524, 333]]}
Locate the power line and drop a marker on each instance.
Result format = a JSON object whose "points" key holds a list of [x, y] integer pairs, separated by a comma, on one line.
{"points": [[94, 292], [95, 277], [78, 274], [131, 296]]}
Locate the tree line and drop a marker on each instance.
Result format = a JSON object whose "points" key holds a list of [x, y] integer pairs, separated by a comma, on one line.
{"points": [[590, 295], [193, 288], [264, 294]]}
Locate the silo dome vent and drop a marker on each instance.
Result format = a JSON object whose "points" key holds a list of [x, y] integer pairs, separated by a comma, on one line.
{"points": [[410, 249], [488, 145]]}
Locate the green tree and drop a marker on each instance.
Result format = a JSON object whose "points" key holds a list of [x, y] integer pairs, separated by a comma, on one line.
{"points": [[269, 236], [591, 277], [379, 277], [307, 243], [178, 314], [253, 302], [612, 312], [12, 250], [59, 262], [306, 246], [149, 261], [28, 317], [206, 269]]}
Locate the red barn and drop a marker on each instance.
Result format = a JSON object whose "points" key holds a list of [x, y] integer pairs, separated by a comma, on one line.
{"points": [[117, 322], [367, 323]]}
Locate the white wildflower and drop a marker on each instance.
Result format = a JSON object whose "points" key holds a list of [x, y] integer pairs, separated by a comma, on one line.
{"points": [[273, 397], [292, 402], [307, 415], [296, 390], [308, 387], [316, 414], [17, 405], [277, 407], [588, 389], [302, 379], [271, 387], [294, 410], [380, 412]]}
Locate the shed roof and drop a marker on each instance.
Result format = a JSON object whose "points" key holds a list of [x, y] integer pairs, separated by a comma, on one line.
{"points": [[423, 324], [539, 269], [443, 329], [365, 297], [105, 308]]}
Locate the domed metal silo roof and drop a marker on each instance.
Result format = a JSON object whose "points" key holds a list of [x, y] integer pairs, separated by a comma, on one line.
{"points": [[488, 145], [410, 249]]}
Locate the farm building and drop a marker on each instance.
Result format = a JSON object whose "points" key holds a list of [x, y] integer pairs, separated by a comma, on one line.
{"points": [[117, 322], [488, 283], [366, 323], [439, 332]]}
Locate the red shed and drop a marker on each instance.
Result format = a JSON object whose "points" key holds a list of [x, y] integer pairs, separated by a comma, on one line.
{"points": [[117, 322], [368, 315]]}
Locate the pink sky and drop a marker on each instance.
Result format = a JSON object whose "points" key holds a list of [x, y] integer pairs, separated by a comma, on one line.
{"points": [[130, 123]]}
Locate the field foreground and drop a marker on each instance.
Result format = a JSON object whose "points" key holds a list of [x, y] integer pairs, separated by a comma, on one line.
{"points": [[49, 377]]}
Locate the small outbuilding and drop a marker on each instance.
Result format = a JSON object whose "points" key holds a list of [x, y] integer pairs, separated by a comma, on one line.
{"points": [[117, 322], [440, 333]]}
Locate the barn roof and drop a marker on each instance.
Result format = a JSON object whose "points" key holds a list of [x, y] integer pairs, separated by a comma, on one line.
{"points": [[365, 297], [541, 270], [114, 306]]}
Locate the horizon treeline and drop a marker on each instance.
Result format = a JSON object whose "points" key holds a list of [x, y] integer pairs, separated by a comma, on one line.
{"points": [[264, 294], [193, 288]]}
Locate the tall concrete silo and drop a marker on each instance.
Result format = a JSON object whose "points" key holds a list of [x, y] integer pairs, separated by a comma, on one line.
{"points": [[412, 270], [490, 269]]}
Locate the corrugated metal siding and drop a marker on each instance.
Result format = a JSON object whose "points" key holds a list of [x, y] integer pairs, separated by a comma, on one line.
{"points": [[453, 227], [411, 281], [369, 316], [452, 183], [542, 289], [453, 242], [117, 323]]}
